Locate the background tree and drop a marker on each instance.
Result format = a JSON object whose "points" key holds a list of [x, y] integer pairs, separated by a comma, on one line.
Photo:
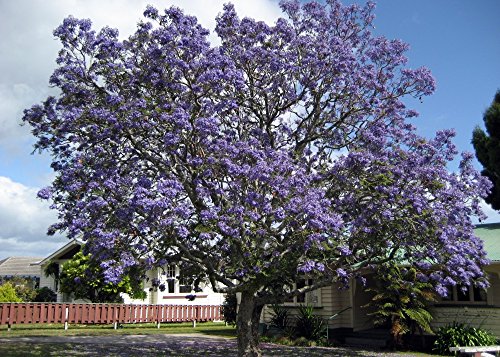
{"points": [[84, 279], [487, 146], [282, 153], [24, 287]]}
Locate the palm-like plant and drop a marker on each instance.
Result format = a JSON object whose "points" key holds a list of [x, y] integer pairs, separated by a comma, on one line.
{"points": [[401, 301]]}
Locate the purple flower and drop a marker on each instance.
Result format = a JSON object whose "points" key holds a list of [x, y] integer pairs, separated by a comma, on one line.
{"points": [[45, 193]]}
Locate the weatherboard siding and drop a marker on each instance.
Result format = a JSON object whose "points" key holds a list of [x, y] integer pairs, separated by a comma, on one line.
{"points": [[335, 300], [487, 318], [331, 300], [494, 289]]}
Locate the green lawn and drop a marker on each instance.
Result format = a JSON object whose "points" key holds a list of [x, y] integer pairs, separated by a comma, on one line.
{"points": [[208, 328]]}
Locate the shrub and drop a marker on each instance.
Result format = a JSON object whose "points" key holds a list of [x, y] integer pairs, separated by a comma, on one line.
{"points": [[308, 325], [8, 293], [459, 334], [279, 317], [45, 294], [229, 309], [401, 301]]}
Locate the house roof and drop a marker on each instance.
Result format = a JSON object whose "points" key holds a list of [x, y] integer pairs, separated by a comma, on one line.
{"points": [[20, 266], [65, 252], [490, 235]]}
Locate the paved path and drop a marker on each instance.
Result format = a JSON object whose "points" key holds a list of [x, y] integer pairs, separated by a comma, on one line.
{"points": [[162, 345]]}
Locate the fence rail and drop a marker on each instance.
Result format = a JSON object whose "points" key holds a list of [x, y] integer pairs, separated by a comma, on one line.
{"points": [[34, 313]]}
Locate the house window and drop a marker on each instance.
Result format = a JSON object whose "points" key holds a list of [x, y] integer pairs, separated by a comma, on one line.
{"points": [[471, 294], [170, 277], [170, 286], [170, 272], [311, 297], [185, 286]]}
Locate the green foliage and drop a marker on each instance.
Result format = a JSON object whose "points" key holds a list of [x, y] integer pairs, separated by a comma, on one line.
{"points": [[52, 269], [400, 301], [229, 309], [8, 293], [84, 278], [308, 325], [280, 317], [24, 287], [300, 341], [487, 147], [459, 334], [45, 294]]}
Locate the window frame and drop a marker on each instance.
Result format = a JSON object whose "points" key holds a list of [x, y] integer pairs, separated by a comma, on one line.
{"points": [[453, 297], [308, 298]]}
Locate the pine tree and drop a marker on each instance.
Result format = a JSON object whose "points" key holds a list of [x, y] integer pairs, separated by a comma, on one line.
{"points": [[487, 147]]}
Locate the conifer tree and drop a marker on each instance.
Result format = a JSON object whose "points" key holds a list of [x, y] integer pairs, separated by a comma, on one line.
{"points": [[487, 147]]}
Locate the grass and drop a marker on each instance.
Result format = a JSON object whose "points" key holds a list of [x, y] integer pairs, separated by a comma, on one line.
{"points": [[20, 348], [207, 328]]}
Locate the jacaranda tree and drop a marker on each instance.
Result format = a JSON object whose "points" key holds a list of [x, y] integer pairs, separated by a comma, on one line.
{"points": [[282, 152]]}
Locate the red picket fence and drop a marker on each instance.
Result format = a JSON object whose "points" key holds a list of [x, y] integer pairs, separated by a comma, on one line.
{"points": [[34, 313]]}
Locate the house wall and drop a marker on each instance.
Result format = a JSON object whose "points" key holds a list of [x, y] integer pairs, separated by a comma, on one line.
{"points": [[361, 320], [486, 316], [156, 296], [47, 281], [335, 299], [327, 302], [494, 289]]}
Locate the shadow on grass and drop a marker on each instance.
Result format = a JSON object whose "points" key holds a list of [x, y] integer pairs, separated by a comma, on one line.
{"points": [[223, 331]]}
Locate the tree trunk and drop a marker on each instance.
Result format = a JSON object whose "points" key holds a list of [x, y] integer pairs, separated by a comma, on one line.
{"points": [[248, 326]]}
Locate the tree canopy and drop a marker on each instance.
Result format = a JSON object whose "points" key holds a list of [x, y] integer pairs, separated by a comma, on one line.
{"points": [[284, 151], [487, 147]]}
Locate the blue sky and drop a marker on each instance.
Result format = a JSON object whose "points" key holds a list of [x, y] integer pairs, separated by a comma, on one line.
{"points": [[458, 40]]}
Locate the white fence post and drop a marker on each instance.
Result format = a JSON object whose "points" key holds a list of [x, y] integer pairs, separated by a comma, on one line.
{"points": [[66, 319]]}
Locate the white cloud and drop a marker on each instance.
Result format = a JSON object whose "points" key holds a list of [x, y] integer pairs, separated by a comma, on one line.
{"points": [[29, 51], [493, 216], [24, 220], [13, 99]]}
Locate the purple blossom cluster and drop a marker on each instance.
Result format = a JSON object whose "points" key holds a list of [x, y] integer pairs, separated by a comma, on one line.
{"points": [[283, 152]]}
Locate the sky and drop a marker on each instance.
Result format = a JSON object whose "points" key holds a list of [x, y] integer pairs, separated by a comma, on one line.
{"points": [[457, 40]]}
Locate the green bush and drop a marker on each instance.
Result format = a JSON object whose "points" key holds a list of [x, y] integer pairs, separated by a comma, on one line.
{"points": [[229, 309], [45, 294], [308, 325], [8, 293], [401, 302], [459, 334], [279, 317]]}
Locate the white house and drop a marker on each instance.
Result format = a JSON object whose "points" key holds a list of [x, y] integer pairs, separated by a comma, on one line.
{"points": [[176, 291]]}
